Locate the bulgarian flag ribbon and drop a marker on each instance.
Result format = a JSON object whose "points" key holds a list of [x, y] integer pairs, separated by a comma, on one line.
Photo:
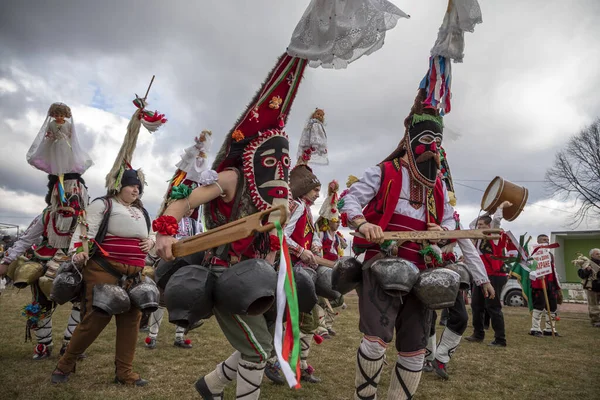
{"points": [[287, 346], [521, 269]]}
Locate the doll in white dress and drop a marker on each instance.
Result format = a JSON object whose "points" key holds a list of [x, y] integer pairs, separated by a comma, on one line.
{"points": [[56, 149]]}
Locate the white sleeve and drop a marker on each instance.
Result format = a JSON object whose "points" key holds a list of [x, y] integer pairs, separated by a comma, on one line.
{"points": [[473, 262], [32, 235], [496, 219], [361, 192], [448, 222], [93, 218], [317, 243], [297, 210]]}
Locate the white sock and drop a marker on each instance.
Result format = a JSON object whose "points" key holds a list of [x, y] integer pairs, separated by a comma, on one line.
{"points": [[74, 320], [548, 325], [223, 374], [305, 340], [179, 333], [430, 350], [249, 378], [536, 320], [369, 364], [406, 376], [43, 332], [447, 346], [154, 322]]}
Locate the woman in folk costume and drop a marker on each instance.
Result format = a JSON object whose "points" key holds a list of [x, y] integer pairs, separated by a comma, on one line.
{"points": [[192, 171], [333, 243], [56, 151], [438, 353], [119, 227], [405, 192]]}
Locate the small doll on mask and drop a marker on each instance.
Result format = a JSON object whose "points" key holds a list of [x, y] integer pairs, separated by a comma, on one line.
{"points": [[313, 142], [56, 149]]}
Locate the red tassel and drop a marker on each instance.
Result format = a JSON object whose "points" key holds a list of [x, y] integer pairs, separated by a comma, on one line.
{"points": [[147, 340], [187, 341], [318, 339]]}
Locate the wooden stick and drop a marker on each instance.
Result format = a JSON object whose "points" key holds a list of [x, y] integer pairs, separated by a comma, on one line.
{"points": [[149, 86], [489, 234], [548, 305], [228, 233]]}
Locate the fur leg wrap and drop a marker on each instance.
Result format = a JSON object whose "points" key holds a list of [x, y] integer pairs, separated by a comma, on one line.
{"points": [[369, 363], [536, 320], [431, 348], [405, 377], [43, 332], [447, 345], [154, 322], [223, 374], [305, 341], [548, 327], [249, 378], [74, 320]]}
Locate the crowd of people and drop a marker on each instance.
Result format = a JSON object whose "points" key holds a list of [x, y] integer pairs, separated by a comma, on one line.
{"points": [[108, 258]]}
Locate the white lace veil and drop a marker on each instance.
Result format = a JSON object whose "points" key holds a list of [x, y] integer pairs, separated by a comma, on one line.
{"points": [[332, 34], [56, 149]]}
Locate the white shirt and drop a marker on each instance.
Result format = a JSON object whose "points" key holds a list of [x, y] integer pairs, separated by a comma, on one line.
{"points": [[31, 236], [363, 191], [301, 206]]}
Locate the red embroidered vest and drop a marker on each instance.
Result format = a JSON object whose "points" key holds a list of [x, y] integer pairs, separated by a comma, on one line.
{"points": [[380, 211], [303, 231], [331, 247], [44, 251]]}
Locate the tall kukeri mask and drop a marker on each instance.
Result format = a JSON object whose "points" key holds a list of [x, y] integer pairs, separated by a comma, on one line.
{"points": [[266, 162]]}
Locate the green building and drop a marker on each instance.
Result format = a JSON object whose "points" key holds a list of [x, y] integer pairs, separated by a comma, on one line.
{"points": [[571, 243]]}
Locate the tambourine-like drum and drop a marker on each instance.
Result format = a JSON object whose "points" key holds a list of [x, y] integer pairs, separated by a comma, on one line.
{"points": [[500, 190]]}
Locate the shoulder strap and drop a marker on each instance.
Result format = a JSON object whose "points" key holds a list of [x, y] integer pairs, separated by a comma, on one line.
{"points": [[147, 218], [103, 227]]}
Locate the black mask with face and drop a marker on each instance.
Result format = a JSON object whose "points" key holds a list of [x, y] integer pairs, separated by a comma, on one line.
{"points": [[268, 174], [423, 142]]}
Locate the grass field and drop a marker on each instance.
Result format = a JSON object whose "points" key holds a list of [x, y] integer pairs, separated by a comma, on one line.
{"points": [[529, 368]]}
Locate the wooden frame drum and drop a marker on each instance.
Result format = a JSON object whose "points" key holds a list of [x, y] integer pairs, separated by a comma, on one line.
{"points": [[500, 190]]}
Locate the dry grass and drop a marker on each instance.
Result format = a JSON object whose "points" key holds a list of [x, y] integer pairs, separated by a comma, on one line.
{"points": [[530, 368]]}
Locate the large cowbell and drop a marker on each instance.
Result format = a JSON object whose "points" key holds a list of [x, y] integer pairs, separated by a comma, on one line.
{"points": [[324, 286], [189, 295], [247, 288], [465, 274], [305, 287], [396, 276], [166, 269], [437, 288], [346, 274], [145, 295], [110, 299], [67, 285]]}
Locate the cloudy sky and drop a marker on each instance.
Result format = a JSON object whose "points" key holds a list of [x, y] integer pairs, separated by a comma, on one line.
{"points": [[529, 80]]}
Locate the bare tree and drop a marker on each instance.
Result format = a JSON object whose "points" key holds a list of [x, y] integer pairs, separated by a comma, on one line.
{"points": [[576, 172]]}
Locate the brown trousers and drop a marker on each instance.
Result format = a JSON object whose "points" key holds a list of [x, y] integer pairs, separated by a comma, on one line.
{"points": [[93, 323]]}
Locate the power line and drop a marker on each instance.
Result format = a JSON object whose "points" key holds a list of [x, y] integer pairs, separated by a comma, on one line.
{"points": [[487, 180]]}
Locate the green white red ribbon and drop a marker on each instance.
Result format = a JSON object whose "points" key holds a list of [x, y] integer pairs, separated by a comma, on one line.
{"points": [[287, 345]]}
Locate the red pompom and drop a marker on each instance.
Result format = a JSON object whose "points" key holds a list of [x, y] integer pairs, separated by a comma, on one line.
{"points": [[187, 341], [420, 149], [318, 339], [165, 225], [344, 218], [147, 340]]}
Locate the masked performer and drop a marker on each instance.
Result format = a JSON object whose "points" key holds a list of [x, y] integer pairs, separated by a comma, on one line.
{"points": [[56, 151], [119, 227], [402, 193]]}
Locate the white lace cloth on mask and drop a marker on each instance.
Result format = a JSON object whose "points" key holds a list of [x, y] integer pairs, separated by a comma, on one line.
{"points": [[314, 137], [462, 17], [363, 191], [334, 33]]}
